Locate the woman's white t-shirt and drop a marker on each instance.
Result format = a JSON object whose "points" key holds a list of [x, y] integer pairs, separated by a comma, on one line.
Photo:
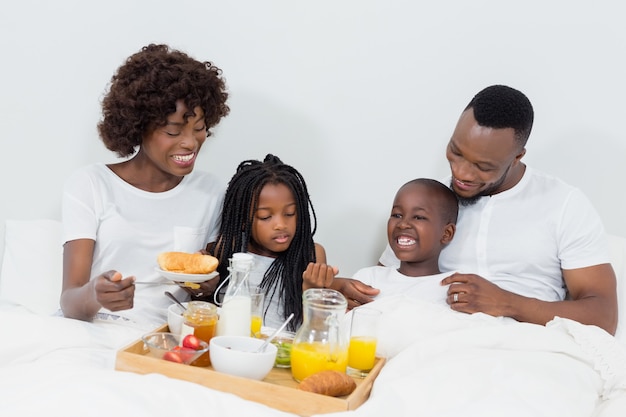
{"points": [[132, 226]]}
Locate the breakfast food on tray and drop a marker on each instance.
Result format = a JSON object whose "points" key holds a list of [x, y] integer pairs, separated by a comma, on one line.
{"points": [[333, 383], [187, 263]]}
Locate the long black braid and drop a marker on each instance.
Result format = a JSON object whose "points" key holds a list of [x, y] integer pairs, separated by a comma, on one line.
{"points": [[284, 277]]}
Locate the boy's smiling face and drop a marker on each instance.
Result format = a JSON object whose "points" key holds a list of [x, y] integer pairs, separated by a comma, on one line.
{"points": [[416, 229]]}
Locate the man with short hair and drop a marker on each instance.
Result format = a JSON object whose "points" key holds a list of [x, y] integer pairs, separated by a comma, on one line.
{"points": [[527, 245]]}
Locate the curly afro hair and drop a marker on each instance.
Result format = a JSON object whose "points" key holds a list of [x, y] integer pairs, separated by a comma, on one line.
{"points": [[500, 107], [145, 89]]}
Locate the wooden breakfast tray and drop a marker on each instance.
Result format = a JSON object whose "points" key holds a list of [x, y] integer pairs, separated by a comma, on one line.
{"points": [[278, 390]]}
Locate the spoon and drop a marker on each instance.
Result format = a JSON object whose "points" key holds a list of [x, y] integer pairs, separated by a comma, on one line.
{"points": [[170, 295], [269, 339]]}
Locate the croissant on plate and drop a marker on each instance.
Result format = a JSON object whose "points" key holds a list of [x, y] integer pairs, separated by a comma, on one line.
{"points": [[187, 263], [332, 383]]}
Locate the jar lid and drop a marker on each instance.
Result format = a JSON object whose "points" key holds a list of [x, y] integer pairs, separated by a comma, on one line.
{"points": [[203, 307]]}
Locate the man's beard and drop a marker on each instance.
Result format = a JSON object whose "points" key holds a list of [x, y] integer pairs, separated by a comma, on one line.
{"points": [[468, 201], [491, 190]]}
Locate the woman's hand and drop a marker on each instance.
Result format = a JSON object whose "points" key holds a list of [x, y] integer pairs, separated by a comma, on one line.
{"points": [[114, 292], [202, 291]]}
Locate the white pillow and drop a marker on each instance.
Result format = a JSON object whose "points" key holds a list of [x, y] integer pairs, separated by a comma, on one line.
{"points": [[32, 267], [617, 250]]}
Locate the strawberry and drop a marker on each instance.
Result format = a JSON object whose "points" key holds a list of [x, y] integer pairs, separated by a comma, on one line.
{"points": [[191, 342], [173, 357], [187, 354]]}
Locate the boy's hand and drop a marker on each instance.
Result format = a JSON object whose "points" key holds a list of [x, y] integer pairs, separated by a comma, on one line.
{"points": [[356, 292]]}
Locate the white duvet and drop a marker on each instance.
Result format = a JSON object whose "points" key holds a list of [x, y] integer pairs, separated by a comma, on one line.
{"points": [[441, 363]]}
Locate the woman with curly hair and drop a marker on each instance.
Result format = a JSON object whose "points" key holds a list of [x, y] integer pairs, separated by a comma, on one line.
{"points": [[159, 109]]}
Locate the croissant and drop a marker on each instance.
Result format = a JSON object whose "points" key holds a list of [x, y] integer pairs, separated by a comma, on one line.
{"points": [[187, 263], [333, 383]]}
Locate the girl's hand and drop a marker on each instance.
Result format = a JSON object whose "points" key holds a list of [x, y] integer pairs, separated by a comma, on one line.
{"points": [[318, 276]]}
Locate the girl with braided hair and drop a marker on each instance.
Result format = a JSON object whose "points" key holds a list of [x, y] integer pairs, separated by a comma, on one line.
{"points": [[268, 213]]}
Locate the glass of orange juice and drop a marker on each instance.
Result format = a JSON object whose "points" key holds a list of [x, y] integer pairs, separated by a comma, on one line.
{"points": [[257, 297], [363, 336]]}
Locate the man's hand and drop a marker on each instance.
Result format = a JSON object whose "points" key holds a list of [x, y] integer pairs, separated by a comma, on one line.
{"points": [[592, 291], [470, 293]]}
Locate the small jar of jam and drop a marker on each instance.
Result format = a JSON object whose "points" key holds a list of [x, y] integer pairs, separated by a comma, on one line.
{"points": [[200, 319]]}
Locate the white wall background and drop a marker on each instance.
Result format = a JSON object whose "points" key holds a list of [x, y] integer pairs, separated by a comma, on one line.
{"points": [[360, 96]]}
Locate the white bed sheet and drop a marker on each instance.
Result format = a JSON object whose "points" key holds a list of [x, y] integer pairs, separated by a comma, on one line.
{"points": [[440, 362], [443, 363]]}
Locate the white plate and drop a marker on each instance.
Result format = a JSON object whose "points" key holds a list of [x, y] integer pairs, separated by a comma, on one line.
{"points": [[177, 276]]}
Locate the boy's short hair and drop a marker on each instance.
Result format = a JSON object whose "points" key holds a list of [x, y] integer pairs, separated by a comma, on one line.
{"points": [[447, 199]]}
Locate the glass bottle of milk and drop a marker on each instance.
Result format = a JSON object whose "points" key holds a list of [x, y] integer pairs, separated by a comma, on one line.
{"points": [[235, 317]]}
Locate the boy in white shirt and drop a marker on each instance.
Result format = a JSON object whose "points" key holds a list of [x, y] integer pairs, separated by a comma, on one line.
{"points": [[422, 222], [531, 246]]}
